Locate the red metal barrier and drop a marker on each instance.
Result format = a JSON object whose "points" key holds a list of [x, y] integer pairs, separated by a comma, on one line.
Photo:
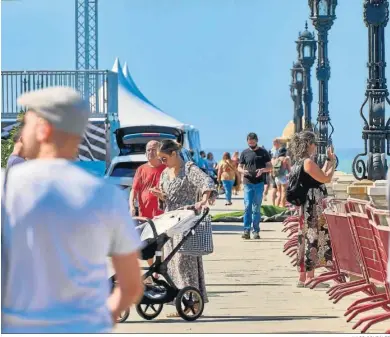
{"points": [[360, 237], [346, 257], [291, 225], [372, 243]]}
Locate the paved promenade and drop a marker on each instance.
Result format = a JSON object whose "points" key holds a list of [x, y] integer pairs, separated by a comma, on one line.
{"points": [[252, 289]]}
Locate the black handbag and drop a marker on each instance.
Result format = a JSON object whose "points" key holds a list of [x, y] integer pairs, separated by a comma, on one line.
{"points": [[296, 193]]}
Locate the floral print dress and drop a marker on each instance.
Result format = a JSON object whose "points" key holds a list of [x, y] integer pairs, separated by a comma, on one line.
{"points": [[314, 248], [184, 190]]}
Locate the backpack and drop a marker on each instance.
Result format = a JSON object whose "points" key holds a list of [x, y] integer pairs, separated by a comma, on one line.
{"points": [[277, 167], [296, 192]]}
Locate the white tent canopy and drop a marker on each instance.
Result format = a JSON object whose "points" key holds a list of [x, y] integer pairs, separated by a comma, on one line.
{"points": [[134, 109]]}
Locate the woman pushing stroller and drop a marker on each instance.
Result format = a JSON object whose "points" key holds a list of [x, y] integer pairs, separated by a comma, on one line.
{"points": [[182, 184]]}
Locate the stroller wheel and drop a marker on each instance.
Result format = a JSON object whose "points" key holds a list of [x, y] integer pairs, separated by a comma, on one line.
{"points": [[123, 316], [149, 311], [189, 303]]}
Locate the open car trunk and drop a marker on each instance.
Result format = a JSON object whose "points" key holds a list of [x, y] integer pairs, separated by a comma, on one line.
{"points": [[133, 140]]}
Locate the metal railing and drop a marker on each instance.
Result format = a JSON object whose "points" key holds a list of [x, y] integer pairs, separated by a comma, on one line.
{"points": [[15, 83]]}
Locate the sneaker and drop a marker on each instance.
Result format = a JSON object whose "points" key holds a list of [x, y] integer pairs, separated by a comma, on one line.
{"points": [[256, 236], [246, 236]]}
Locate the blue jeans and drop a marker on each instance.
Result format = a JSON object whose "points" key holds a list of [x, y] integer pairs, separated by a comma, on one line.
{"points": [[228, 186], [253, 196]]}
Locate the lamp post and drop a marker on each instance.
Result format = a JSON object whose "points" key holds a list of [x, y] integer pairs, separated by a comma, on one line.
{"points": [[296, 94], [307, 47], [323, 16], [376, 131]]}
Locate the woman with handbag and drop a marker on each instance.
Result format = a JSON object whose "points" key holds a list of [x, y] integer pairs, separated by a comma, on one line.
{"points": [[238, 182], [227, 174], [306, 189], [183, 184]]}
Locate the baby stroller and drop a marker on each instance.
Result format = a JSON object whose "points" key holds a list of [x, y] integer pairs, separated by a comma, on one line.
{"points": [[155, 233]]}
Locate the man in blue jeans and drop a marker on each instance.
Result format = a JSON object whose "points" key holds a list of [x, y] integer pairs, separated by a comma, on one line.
{"points": [[254, 161]]}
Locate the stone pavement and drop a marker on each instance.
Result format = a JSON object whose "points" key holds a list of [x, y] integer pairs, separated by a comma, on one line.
{"points": [[252, 289]]}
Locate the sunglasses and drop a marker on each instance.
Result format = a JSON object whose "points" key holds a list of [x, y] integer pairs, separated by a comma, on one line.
{"points": [[163, 159]]}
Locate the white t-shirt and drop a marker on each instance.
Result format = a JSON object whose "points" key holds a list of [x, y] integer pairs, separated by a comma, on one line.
{"points": [[61, 225]]}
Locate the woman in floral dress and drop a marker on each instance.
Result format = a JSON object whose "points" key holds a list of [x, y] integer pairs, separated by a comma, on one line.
{"points": [[314, 248], [183, 184]]}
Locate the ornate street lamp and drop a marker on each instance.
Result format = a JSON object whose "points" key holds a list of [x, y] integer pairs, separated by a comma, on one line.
{"points": [[296, 94], [323, 16], [307, 47], [376, 131]]}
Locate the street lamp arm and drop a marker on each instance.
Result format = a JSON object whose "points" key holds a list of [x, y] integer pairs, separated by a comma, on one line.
{"points": [[366, 125], [359, 169], [388, 121]]}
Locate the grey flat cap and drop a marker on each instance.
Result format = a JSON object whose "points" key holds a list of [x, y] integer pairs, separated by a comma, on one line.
{"points": [[61, 106]]}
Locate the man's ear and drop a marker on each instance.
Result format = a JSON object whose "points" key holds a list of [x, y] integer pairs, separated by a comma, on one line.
{"points": [[44, 130]]}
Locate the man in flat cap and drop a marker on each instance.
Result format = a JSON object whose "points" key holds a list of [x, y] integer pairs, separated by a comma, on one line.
{"points": [[61, 223]]}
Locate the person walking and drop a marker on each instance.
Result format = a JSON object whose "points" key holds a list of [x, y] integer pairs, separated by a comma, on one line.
{"points": [[202, 163], [15, 157], [146, 178], [59, 224], [211, 165], [281, 168], [227, 175], [183, 184], [314, 246], [254, 161], [236, 161], [274, 152]]}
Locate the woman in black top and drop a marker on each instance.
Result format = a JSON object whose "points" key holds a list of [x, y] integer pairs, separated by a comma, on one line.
{"points": [[314, 249]]}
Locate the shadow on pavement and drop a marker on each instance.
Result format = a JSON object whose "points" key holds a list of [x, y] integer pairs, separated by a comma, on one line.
{"points": [[225, 233], [267, 240], [215, 319], [247, 284], [227, 228], [263, 318], [308, 332], [217, 293]]}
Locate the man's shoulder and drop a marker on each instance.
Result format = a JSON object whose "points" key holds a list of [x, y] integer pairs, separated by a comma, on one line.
{"points": [[246, 151], [143, 167], [262, 150]]}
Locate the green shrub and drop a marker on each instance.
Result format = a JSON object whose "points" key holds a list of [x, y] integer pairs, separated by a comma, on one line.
{"points": [[7, 145], [266, 210]]}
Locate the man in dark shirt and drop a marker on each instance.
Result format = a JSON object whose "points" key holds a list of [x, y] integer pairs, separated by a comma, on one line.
{"points": [[254, 161], [15, 157]]}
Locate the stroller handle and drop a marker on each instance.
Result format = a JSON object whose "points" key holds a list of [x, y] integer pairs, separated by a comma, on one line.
{"points": [[150, 222], [206, 210]]}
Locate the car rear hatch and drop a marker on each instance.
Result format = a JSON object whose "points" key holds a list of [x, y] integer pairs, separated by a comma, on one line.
{"points": [[133, 140]]}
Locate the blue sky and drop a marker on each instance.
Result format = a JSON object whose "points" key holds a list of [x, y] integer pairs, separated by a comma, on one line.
{"points": [[222, 65]]}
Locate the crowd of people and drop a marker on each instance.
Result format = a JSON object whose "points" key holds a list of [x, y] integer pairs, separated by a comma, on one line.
{"points": [[60, 222], [266, 174]]}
